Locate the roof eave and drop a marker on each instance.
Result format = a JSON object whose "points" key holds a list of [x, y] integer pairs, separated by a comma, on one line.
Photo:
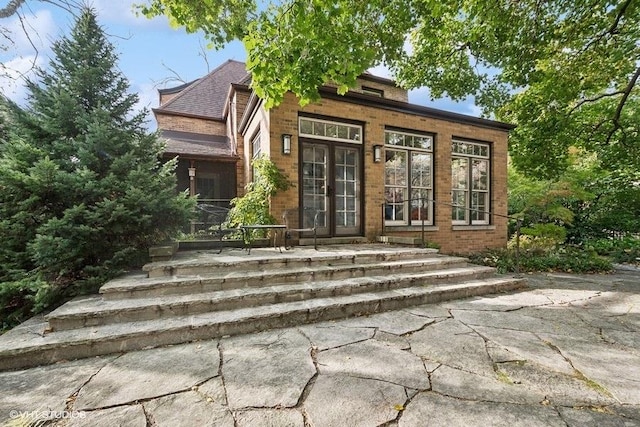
{"points": [[405, 107], [160, 110], [249, 112]]}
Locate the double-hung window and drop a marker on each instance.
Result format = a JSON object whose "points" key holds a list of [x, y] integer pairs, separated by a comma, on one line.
{"points": [[470, 195], [408, 178]]}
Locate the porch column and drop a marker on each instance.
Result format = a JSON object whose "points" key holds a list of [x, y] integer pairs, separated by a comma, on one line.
{"points": [[192, 187], [192, 178]]}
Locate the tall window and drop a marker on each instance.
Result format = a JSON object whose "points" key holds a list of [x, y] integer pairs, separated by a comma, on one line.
{"points": [[256, 151], [408, 178], [470, 182]]}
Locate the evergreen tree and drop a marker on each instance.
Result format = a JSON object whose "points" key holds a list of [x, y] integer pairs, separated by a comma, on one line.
{"points": [[82, 188]]}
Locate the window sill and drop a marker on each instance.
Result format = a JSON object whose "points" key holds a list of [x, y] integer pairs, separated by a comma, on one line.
{"points": [[472, 227], [411, 227]]}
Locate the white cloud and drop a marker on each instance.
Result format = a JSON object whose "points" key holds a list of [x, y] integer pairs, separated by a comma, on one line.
{"points": [[34, 32], [29, 45], [147, 98], [381, 71], [13, 75], [122, 12]]}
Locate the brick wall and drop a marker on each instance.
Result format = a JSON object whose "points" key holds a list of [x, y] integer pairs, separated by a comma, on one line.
{"points": [[191, 124], [166, 97], [284, 119]]}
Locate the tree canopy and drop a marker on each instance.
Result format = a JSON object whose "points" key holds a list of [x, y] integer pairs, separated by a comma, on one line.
{"points": [[564, 71]]}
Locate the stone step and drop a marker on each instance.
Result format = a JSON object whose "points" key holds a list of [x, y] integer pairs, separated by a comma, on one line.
{"points": [[95, 311], [189, 263], [137, 286], [31, 346]]}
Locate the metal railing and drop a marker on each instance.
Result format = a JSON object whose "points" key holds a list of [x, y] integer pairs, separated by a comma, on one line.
{"points": [[423, 205], [199, 224]]}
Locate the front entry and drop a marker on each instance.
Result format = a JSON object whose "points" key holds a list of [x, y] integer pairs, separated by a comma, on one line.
{"points": [[331, 185]]}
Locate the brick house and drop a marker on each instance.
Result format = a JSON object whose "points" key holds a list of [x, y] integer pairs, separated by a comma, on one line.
{"points": [[370, 162]]}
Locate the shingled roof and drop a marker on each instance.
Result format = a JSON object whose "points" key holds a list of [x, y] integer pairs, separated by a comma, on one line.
{"points": [[206, 97], [196, 144]]}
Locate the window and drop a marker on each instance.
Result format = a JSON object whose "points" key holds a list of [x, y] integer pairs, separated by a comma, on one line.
{"points": [[208, 185], [256, 151], [372, 91], [408, 178], [470, 182], [323, 129]]}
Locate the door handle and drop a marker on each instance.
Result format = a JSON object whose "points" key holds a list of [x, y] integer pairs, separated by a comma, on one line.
{"points": [[329, 190]]}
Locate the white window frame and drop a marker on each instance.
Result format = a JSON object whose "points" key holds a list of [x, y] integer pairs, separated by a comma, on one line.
{"points": [[410, 144], [471, 152], [330, 130]]}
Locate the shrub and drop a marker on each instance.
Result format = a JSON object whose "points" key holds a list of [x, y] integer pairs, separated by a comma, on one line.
{"points": [[625, 250], [253, 207], [569, 259], [83, 188]]}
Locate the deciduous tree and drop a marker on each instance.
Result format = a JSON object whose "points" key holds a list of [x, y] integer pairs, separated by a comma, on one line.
{"points": [[564, 71]]}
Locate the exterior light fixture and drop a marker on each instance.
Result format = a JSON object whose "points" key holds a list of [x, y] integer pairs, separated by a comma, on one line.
{"points": [[377, 153], [192, 173], [286, 143]]}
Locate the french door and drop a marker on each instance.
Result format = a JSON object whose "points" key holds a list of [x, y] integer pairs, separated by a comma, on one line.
{"points": [[331, 185]]}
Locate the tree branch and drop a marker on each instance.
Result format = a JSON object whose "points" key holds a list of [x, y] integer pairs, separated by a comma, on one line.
{"points": [[623, 100], [597, 98], [612, 28]]}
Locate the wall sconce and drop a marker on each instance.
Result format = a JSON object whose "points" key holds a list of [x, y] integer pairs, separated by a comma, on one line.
{"points": [[192, 173], [286, 143], [377, 153]]}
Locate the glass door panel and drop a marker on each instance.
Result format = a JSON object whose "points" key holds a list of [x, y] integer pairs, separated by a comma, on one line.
{"points": [[347, 191], [331, 185], [314, 186]]}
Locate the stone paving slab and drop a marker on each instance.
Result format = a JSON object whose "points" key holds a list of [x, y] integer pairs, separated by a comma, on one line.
{"points": [[46, 387], [130, 416], [375, 360], [343, 400], [188, 408], [270, 369], [158, 372], [328, 335], [447, 411], [465, 349], [573, 361], [270, 418]]}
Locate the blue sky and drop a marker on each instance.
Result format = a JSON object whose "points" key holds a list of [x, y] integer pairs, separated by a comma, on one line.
{"points": [[152, 54]]}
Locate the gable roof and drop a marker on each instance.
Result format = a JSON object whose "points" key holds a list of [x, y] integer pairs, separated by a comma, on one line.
{"points": [[207, 96]]}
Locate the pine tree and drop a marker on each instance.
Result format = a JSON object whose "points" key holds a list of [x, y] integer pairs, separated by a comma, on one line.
{"points": [[82, 187]]}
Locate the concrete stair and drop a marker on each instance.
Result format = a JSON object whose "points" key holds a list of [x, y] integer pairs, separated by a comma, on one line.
{"points": [[201, 295]]}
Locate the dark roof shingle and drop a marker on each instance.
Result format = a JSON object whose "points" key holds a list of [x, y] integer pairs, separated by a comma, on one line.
{"points": [[206, 97], [196, 144]]}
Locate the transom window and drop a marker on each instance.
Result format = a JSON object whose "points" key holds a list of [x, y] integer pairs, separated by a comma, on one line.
{"points": [[324, 129], [408, 178], [470, 167]]}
